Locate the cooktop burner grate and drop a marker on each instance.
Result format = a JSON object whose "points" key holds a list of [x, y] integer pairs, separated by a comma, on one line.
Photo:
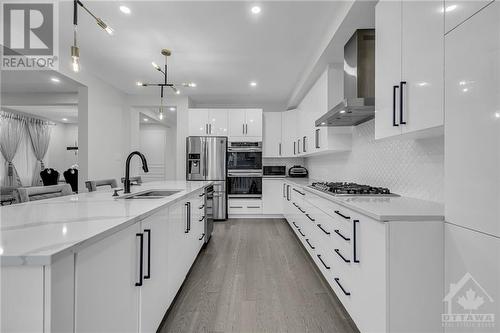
{"points": [[345, 189]]}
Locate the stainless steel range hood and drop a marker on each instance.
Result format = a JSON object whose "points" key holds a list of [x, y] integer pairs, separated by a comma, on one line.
{"points": [[358, 105]]}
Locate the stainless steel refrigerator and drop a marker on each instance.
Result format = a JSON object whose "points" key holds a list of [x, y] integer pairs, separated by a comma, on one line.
{"points": [[206, 160]]}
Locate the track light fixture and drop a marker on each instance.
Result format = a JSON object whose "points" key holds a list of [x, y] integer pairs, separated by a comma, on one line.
{"points": [[166, 53], [75, 51]]}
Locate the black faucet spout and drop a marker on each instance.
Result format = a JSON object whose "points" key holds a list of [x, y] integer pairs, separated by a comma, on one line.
{"points": [[126, 181]]}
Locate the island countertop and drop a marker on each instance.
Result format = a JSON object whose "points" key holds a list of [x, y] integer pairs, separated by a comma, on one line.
{"points": [[38, 232]]}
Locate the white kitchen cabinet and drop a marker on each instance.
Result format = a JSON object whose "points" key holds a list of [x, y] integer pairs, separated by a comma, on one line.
{"points": [[272, 191], [472, 262], [245, 124], [289, 133], [248, 206], [457, 12], [409, 67], [208, 122], [271, 140], [156, 271], [472, 129], [106, 294]]}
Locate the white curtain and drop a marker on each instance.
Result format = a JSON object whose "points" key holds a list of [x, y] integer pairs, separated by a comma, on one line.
{"points": [[39, 132], [12, 129]]}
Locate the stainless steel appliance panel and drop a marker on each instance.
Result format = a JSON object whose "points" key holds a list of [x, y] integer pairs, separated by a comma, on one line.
{"points": [[195, 158], [240, 185], [209, 212], [219, 211], [215, 163]]}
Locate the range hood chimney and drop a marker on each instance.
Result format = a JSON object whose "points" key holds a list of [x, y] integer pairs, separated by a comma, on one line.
{"points": [[358, 105]]}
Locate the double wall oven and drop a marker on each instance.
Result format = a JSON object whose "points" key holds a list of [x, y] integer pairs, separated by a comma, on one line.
{"points": [[244, 170]]}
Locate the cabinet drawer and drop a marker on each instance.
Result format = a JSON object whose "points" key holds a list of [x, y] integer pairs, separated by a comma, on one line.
{"points": [[247, 207]]}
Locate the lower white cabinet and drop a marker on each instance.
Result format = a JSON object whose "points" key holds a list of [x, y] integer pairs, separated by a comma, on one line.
{"points": [[244, 206], [272, 189], [388, 275]]}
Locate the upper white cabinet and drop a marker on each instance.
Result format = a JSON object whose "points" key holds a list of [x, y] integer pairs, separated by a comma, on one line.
{"points": [[472, 128], [208, 122], [271, 140], [409, 67], [245, 124], [289, 133], [458, 11]]}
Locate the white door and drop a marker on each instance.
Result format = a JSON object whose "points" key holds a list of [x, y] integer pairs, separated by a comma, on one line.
{"points": [[387, 68], [198, 122], [422, 65], [236, 123], [271, 140], [107, 298], [472, 128], [217, 122], [156, 271], [253, 123], [272, 196]]}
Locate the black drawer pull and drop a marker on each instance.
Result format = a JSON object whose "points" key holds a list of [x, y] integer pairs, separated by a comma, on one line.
{"points": [[401, 103], [394, 105], [296, 226], [354, 250], [201, 207], [253, 206], [202, 236], [310, 218], [345, 292], [235, 206], [341, 256], [148, 231], [141, 258], [301, 193], [340, 214], [309, 243], [201, 195], [319, 257], [202, 218], [326, 232], [343, 237], [300, 232]]}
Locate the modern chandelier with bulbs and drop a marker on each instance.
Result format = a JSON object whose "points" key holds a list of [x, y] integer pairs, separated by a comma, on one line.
{"points": [[166, 53], [75, 51]]}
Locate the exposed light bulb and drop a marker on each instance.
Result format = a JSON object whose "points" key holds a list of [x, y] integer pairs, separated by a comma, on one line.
{"points": [[172, 109], [161, 115], [192, 84], [75, 58], [253, 84], [139, 83], [104, 26], [109, 30], [64, 119], [155, 65]]}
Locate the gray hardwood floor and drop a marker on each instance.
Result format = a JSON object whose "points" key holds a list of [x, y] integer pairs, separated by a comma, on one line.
{"points": [[254, 276]]}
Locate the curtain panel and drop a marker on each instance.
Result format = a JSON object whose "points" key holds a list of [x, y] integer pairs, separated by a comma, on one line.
{"points": [[39, 132], [12, 130]]}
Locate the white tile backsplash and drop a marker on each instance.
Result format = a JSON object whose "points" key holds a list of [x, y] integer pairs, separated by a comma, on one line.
{"points": [[409, 167]]}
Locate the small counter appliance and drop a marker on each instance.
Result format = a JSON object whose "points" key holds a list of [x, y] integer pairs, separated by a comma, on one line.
{"points": [[297, 171]]}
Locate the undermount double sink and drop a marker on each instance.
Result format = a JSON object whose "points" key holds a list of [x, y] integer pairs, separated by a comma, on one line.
{"points": [[151, 194]]}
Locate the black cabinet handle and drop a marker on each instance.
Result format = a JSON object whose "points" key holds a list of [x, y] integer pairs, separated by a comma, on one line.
{"points": [[201, 195], [243, 130], [310, 218], [298, 146], [188, 213], [354, 236], [294, 145], [209, 128], [326, 266], [300, 231], [284, 187], [304, 144], [343, 237], [141, 257], [326, 232], [340, 214], [202, 218], [206, 128], [246, 128], [201, 207], [309, 243], [202, 235], [394, 88], [341, 256], [148, 231], [301, 193], [317, 137], [296, 226], [401, 103], [343, 290], [288, 192]]}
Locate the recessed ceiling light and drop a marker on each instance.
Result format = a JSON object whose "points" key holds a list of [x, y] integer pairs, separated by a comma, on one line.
{"points": [[422, 84], [465, 89], [256, 10], [497, 114], [125, 9], [64, 119], [449, 8], [171, 108], [178, 92], [146, 119], [55, 79], [253, 84]]}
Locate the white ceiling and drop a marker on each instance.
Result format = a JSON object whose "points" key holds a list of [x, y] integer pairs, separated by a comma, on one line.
{"points": [[49, 112], [219, 45], [36, 82]]}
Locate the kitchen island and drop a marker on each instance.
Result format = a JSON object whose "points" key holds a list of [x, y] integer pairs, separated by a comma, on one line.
{"points": [[94, 262]]}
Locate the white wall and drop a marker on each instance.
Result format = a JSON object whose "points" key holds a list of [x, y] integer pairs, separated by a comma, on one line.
{"points": [[408, 167], [157, 143], [58, 157]]}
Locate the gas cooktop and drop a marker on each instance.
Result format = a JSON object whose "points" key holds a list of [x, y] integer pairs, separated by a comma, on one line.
{"points": [[351, 189]]}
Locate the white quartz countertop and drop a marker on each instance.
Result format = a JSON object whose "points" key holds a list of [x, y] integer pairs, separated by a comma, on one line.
{"points": [[39, 232], [382, 208]]}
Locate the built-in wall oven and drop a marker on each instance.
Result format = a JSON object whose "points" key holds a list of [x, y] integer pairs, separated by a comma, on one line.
{"points": [[244, 170]]}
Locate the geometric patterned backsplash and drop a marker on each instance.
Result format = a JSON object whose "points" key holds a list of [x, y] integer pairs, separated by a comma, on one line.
{"points": [[409, 167]]}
